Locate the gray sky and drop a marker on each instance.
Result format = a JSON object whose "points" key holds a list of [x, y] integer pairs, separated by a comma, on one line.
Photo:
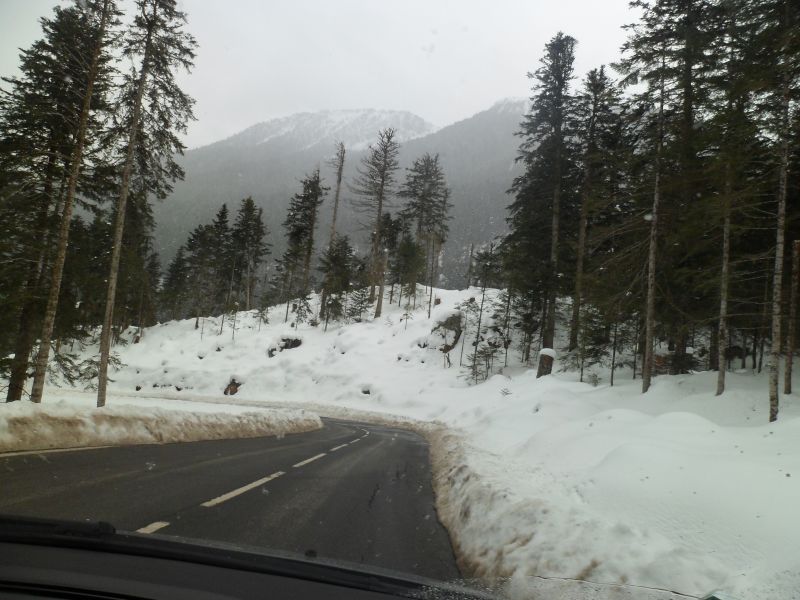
{"points": [[444, 60]]}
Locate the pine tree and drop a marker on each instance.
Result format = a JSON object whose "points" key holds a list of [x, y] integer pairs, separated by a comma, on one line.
{"points": [[597, 116], [224, 257], [175, 292], [148, 130], [59, 80], [299, 226], [373, 187], [336, 265], [544, 153], [427, 207], [249, 248]]}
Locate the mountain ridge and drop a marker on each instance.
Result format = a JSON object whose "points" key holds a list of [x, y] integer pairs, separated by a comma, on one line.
{"points": [[267, 160]]}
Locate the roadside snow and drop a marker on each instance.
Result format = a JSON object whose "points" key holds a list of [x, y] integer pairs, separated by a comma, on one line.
{"points": [[64, 424], [676, 489]]}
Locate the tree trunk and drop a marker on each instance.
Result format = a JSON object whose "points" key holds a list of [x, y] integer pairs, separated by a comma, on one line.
{"points": [[478, 330], [76, 160], [713, 348], [339, 164], [614, 352], [791, 337], [724, 284], [377, 260], [777, 280], [379, 305], [577, 300], [548, 336], [469, 265], [650, 310], [309, 252], [119, 226], [430, 282]]}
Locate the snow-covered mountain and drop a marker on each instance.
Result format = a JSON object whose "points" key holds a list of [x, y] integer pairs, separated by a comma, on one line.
{"points": [[356, 128], [266, 161]]}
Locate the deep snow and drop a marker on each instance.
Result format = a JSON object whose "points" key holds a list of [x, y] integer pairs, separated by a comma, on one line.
{"points": [[676, 489]]}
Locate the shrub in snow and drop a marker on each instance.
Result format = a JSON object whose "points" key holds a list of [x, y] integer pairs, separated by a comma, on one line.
{"points": [[232, 387], [285, 343]]}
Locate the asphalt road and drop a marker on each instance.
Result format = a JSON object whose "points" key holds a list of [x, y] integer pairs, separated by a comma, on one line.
{"points": [[350, 491]]}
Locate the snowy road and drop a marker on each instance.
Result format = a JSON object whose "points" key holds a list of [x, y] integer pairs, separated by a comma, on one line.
{"points": [[349, 491]]}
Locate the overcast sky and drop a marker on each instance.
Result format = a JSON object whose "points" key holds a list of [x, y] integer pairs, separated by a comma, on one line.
{"points": [[444, 60]]}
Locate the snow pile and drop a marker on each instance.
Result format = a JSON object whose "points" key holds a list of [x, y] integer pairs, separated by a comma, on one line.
{"points": [[676, 489], [28, 426]]}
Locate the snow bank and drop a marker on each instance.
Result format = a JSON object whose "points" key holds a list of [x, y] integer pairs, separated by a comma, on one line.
{"points": [[28, 426]]}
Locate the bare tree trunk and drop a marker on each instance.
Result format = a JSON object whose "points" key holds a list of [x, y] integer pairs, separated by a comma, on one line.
{"points": [[247, 286], [577, 300], [548, 336], [430, 296], [119, 225], [764, 327], [723, 286], [376, 247], [478, 330], [614, 352], [650, 310], [469, 266], [379, 305], [338, 163], [309, 252], [636, 341], [777, 280], [791, 337], [76, 161]]}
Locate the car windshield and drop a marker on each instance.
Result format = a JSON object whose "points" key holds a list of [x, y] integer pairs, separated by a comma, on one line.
{"points": [[501, 294]]}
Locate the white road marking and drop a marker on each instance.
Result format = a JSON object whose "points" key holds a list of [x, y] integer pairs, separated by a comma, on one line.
{"points": [[337, 448], [356, 440], [308, 460], [241, 490], [153, 527], [50, 451]]}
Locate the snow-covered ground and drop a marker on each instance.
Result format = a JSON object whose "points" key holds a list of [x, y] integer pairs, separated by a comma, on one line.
{"points": [[676, 489]]}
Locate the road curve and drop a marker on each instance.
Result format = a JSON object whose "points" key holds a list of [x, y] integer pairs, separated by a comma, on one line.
{"points": [[350, 491]]}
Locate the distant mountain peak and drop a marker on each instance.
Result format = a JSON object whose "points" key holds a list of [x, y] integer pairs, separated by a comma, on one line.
{"points": [[357, 128], [516, 105]]}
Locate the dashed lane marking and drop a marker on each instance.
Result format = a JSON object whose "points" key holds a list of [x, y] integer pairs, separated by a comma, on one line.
{"points": [[335, 448], [153, 527], [241, 490], [308, 460]]}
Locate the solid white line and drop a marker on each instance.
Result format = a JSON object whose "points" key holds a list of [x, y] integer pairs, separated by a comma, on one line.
{"points": [[308, 460], [337, 448], [241, 490], [153, 527], [356, 440], [50, 451]]}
